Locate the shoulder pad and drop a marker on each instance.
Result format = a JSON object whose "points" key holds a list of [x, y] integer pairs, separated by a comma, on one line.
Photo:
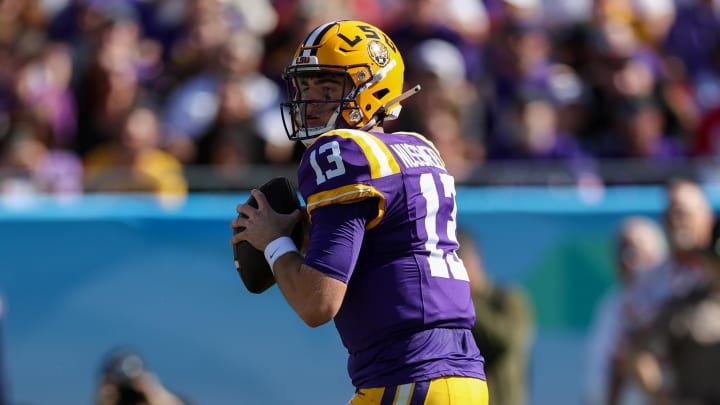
{"points": [[341, 165]]}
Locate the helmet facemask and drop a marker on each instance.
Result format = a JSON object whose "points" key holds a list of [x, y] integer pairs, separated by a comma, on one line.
{"points": [[297, 113]]}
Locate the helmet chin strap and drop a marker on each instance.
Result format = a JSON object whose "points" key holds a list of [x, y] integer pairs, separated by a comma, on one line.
{"points": [[381, 112], [330, 125]]}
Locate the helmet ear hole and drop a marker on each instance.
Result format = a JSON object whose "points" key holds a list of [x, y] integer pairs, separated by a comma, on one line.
{"points": [[381, 93]]}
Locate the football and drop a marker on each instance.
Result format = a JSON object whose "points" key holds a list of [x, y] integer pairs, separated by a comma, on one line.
{"points": [[250, 262]]}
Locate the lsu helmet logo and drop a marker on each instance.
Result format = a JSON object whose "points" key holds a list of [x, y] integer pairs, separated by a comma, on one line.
{"points": [[378, 53], [305, 60]]}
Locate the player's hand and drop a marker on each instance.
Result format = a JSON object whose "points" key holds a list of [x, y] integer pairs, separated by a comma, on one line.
{"points": [[262, 225]]}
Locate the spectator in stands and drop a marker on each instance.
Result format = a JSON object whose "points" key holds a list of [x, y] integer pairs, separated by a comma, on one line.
{"points": [[521, 65], [125, 380], [233, 141], [679, 363], [135, 162], [504, 326], [439, 67], [193, 106], [532, 134], [535, 134], [42, 89], [32, 166], [639, 133], [639, 246], [572, 100], [429, 19], [620, 65], [111, 83], [688, 220], [470, 19]]}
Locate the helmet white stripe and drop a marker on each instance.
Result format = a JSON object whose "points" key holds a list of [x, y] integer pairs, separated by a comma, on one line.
{"points": [[315, 36]]}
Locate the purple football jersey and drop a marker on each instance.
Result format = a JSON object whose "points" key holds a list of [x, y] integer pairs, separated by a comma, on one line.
{"points": [[407, 312]]}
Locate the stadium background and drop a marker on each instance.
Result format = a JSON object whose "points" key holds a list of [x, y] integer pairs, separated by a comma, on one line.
{"points": [[532, 103]]}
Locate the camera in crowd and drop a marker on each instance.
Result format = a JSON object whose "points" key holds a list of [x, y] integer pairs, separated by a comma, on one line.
{"points": [[122, 370]]}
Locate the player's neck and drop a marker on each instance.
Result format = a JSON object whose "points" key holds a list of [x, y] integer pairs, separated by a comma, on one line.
{"points": [[376, 128]]}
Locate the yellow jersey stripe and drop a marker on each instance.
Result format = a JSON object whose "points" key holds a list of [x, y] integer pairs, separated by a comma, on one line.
{"points": [[348, 194], [382, 161]]}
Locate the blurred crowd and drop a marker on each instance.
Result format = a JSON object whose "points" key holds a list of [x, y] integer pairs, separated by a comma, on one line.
{"points": [[136, 95], [655, 338]]}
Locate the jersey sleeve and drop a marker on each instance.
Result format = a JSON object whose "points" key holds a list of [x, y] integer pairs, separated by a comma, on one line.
{"points": [[337, 236], [342, 166]]}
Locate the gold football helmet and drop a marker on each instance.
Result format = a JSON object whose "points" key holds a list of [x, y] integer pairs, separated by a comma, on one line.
{"points": [[372, 69]]}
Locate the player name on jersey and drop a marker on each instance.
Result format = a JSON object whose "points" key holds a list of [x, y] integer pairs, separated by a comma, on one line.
{"points": [[418, 156]]}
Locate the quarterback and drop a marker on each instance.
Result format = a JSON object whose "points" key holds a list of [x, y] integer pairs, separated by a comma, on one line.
{"points": [[381, 259]]}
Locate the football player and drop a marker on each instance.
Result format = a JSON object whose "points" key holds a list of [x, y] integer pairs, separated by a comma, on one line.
{"points": [[381, 256]]}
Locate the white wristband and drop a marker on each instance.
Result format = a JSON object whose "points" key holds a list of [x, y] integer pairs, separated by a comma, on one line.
{"points": [[277, 248]]}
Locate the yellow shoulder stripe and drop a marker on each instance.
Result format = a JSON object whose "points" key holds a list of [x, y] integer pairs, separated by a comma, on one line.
{"points": [[348, 194], [382, 161]]}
